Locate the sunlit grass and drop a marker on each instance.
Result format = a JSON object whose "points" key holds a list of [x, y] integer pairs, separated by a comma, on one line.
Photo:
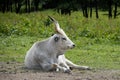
{"points": [[13, 48], [97, 40], [100, 56]]}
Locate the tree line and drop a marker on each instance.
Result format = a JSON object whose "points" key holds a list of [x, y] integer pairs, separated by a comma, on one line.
{"points": [[62, 6]]}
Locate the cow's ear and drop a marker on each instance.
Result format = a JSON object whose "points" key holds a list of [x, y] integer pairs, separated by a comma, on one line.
{"points": [[56, 39]]}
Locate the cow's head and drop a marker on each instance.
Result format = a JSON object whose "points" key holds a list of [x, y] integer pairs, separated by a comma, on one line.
{"points": [[60, 38]]}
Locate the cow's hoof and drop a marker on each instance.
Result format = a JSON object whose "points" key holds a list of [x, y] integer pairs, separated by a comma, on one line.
{"points": [[83, 68], [67, 71], [87, 68]]}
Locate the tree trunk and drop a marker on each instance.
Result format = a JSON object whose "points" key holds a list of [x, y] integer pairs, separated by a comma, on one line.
{"points": [[28, 6], [83, 11], [7, 5], [18, 7], [86, 12], [115, 12], [90, 8], [11, 6], [110, 8], [4, 7], [96, 9], [36, 2]]}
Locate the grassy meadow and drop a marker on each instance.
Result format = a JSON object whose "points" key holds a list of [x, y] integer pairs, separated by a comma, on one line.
{"points": [[97, 40]]}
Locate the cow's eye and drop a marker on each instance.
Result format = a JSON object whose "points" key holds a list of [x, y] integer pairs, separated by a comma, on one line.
{"points": [[64, 39]]}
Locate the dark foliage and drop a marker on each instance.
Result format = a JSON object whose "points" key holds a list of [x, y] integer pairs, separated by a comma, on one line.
{"points": [[61, 6]]}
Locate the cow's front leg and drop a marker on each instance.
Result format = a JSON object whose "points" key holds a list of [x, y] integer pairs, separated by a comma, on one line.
{"points": [[58, 68], [54, 66]]}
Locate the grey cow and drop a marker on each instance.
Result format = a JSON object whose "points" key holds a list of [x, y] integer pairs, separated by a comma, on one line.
{"points": [[49, 54]]}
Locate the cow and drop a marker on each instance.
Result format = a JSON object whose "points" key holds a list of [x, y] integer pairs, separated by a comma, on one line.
{"points": [[48, 55]]}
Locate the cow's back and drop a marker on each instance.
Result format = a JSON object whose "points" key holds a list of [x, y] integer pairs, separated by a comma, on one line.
{"points": [[32, 58]]}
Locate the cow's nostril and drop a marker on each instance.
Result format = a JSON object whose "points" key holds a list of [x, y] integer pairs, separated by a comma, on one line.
{"points": [[73, 45]]}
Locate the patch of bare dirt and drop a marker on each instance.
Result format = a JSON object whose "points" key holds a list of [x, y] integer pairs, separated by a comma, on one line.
{"points": [[16, 71]]}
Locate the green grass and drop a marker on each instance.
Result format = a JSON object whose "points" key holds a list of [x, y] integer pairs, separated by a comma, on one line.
{"points": [[100, 56], [38, 24], [97, 40], [97, 56], [13, 48]]}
